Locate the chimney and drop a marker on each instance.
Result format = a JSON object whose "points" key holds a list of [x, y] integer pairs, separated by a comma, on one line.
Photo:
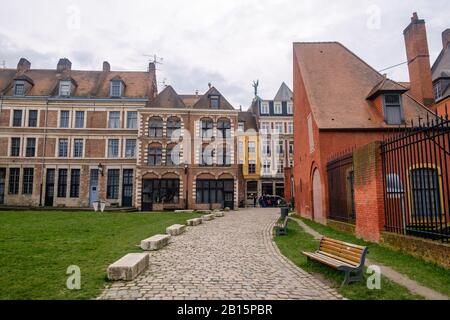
{"points": [[63, 65], [23, 65], [151, 67], [446, 38], [106, 66], [419, 61]]}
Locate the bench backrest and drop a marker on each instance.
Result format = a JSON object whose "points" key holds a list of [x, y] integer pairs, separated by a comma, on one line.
{"points": [[343, 251]]}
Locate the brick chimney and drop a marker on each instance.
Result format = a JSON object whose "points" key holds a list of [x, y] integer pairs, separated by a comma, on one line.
{"points": [[106, 66], [63, 65], [23, 65], [445, 38], [419, 61]]}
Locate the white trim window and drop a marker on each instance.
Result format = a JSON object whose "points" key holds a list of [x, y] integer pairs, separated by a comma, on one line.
{"points": [[79, 119], [63, 147], [19, 88], [266, 167], [114, 120], [278, 109], [279, 127], [131, 119], [64, 118], [251, 147], [113, 148], [266, 127], [290, 108], [265, 108], [65, 88], [116, 89], [130, 148], [78, 148], [290, 127]]}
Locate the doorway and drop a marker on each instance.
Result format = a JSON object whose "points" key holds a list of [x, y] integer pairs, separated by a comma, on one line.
{"points": [[93, 186], [49, 187], [317, 198], [127, 188], [2, 185]]}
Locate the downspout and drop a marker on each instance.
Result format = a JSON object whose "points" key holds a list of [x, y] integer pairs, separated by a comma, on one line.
{"points": [[43, 153]]}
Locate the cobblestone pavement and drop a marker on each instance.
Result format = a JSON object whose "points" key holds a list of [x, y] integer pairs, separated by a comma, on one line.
{"points": [[232, 257]]}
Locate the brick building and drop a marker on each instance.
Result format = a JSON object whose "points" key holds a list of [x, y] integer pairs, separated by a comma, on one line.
{"points": [[341, 103], [71, 137]]}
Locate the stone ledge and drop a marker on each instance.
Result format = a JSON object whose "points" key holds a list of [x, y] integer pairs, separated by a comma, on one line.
{"points": [[194, 222], [208, 217], [176, 229], [219, 214], [155, 243], [128, 267]]}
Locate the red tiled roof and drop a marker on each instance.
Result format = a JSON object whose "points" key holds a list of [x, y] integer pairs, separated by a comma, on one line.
{"points": [[338, 82]]}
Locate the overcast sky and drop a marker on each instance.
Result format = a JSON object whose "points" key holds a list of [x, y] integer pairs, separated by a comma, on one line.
{"points": [[228, 43]]}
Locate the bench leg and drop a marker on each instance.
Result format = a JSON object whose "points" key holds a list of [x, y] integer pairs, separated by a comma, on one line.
{"points": [[349, 278]]}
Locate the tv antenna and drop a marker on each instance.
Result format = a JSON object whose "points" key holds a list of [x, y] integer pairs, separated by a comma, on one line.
{"points": [[153, 58]]}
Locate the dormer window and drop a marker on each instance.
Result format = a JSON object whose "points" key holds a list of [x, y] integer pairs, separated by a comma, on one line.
{"points": [[437, 90], [264, 108], [65, 87], [393, 113], [277, 108], [19, 88], [116, 88], [214, 102]]}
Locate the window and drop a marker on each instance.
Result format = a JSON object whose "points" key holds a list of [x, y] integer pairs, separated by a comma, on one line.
{"points": [[19, 88], [130, 148], [14, 176], [114, 119], [64, 119], [393, 109], [251, 147], [214, 101], [207, 128], [63, 148], [266, 148], [279, 127], [437, 90], [113, 148], [17, 118], [154, 155], [15, 147], [173, 155], [252, 189], [278, 108], [161, 191], [31, 147], [62, 183], [132, 119], [65, 88], [79, 119], [290, 108], [173, 124], [207, 155], [280, 147], [252, 167], [280, 168], [224, 128], [291, 147], [224, 155], [290, 128], [264, 108], [155, 127], [241, 152], [112, 188], [266, 128], [74, 183], [32, 118], [27, 187], [78, 148], [425, 193], [116, 88], [266, 167], [212, 191], [241, 127]]}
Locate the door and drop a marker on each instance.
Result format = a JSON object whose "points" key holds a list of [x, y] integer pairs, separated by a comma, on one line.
{"points": [[228, 194], [2, 185], [317, 198], [49, 187], [127, 188], [147, 194], [93, 186]]}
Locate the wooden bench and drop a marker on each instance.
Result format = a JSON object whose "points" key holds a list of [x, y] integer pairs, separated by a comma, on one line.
{"points": [[342, 256], [281, 228]]}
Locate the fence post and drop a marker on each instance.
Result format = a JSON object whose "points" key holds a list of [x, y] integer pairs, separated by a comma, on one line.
{"points": [[368, 191]]}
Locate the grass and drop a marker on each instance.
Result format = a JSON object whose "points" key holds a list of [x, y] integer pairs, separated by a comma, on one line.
{"points": [[298, 240], [426, 273], [36, 248]]}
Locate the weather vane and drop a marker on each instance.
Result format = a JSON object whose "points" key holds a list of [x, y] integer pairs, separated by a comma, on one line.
{"points": [[255, 86]]}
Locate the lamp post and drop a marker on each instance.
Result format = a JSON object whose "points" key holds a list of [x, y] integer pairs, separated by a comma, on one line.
{"points": [[186, 172]]}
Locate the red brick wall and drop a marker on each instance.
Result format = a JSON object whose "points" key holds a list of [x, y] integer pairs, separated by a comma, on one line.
{"points": [[4, 118], [288, 184], [369, 200]]}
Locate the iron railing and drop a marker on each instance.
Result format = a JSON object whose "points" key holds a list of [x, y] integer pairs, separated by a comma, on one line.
{"points": [[341, 204], [416, 166]]}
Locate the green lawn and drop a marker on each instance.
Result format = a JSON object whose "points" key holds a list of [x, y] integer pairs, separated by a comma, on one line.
{"points": [[426, 273], [297, 241], [37, 247]]}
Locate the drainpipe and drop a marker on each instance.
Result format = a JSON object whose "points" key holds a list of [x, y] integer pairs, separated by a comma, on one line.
{"points": [[43, 154]]}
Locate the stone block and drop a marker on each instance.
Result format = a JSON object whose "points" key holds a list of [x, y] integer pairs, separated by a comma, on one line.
{"points": [[194, 222], [219, 214], [176, 229], [208, 217], [128, 267], [156, 242]]}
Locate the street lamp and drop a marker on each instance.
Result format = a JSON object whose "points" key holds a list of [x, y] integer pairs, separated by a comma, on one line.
{"points": [[100, 169]]}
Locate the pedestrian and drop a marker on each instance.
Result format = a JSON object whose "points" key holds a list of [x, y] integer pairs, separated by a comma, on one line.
{"points": [[254, 201]]}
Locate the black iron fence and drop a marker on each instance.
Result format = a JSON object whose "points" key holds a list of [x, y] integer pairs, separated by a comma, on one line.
{"points": [[341, 204], [416, 179]]}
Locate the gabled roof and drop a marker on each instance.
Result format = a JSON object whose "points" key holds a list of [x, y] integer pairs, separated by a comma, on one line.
{"points": [[441, 67], [385, 86], [284, 93], [248, 118], [337, 83], [168, 98], [203, 102]]}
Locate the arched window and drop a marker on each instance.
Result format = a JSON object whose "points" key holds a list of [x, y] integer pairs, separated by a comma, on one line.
{"points": [[207, 128], [207, 155], [154, 155], [173, 124], [155, 127], [173, 155], [224, 155], [224, 128]]}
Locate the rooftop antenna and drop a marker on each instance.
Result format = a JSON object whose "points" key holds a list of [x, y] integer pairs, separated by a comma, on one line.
{"points": [[153, 58]]}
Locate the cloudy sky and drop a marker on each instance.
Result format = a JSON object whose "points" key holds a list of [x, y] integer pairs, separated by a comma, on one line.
{"points": [[228, 43]]}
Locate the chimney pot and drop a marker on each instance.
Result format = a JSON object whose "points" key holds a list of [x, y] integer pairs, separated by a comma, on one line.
{"points": [[151, 67], [446, 38], [63, 65], [106, 66], [23, 65], [415, 17]]}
